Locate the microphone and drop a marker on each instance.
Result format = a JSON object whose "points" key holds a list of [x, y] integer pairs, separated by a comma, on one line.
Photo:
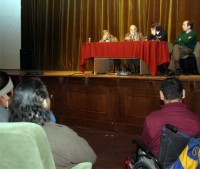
{"points": [[108, 38], [132, 37]]}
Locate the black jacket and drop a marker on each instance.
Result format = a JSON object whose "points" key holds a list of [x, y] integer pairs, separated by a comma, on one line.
{"points": [[162, 36]]}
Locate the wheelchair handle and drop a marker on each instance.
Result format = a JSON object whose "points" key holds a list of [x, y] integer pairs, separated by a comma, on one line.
{"points": [[141, 145], [172, 128]]}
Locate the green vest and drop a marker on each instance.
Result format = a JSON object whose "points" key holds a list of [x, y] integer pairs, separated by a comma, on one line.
{"points": [[187, 39]]}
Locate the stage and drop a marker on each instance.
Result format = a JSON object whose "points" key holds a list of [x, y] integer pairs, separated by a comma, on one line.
{"points": [[108, 102]]}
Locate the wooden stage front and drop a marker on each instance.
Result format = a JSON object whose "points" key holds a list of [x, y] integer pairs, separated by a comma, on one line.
{"points": [[108, 102]]}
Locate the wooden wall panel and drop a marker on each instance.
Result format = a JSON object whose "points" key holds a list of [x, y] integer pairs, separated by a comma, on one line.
{"points": [[110, 103]]}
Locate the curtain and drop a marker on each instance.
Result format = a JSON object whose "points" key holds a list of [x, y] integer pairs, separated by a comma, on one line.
{"points": [[56, 29]]}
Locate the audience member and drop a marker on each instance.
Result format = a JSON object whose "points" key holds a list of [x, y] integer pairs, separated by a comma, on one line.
{"points": [[28, 105], [157, 33], [107, 37], [184, 45], [133, 35], [173, 112], [6, 92]]}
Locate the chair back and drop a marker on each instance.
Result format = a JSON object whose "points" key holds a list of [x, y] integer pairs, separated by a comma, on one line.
{"points": [[171, 145], [24, 146], [197, 54], [188, 65]]}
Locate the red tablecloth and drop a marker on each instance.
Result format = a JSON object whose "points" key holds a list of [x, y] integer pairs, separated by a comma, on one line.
{"points": [[153, 53]]}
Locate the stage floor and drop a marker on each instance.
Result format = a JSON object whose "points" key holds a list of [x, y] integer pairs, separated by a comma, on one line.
{"points": [[90, 74]]}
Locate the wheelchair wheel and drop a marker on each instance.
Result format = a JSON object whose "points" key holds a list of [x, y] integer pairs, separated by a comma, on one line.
{"points": [[142, 165], [145, 163]]}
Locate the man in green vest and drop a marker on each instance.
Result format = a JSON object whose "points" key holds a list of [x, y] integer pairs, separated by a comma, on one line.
{"points": [[184, 45]]}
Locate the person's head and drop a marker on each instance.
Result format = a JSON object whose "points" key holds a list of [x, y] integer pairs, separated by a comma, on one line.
{"points": [[172, 90], [133, 29], [187, 25], [6, 89], [28, 104], [156, 26], [106, 32]]}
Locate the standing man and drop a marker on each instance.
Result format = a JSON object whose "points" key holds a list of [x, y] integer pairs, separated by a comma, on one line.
{"points": [[184, 45], [173, 112]]}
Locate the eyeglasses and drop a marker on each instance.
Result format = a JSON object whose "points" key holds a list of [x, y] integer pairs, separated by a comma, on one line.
{"points": [[9, 94]]}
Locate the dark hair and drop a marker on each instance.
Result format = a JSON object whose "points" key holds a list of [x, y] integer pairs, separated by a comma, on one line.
{"points": [[27, 103], [190, 23], [172, 88], [4, 78], [156, 26]]}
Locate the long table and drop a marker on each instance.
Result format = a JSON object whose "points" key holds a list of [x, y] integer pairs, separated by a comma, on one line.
{"points": [[153, 53]]}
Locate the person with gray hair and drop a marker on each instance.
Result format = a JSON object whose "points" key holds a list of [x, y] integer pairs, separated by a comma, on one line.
{"points": [[6, 92], [132, 65], [133, 34], [29, 105]]}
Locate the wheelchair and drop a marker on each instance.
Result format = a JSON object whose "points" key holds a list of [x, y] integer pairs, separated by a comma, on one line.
{"points": [[172, 143]]}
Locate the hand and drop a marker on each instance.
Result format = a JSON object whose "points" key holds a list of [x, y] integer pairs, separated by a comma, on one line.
{"points": [[153, 32], [47, 104], [105, 37], [127, 38]]}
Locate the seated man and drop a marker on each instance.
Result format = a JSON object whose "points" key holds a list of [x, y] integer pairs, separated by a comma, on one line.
{"points": [[184, 45], [132, 65], [133, 35], [157, 33], [173, 112]]}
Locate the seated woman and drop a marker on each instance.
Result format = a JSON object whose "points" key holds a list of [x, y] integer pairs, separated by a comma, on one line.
{"points": [[107, 37], [29, 105]]}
